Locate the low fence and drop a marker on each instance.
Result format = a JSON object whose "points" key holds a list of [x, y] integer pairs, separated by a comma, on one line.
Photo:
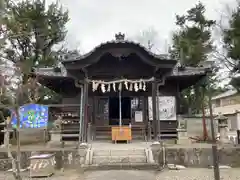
{"points": [[194, 127]]}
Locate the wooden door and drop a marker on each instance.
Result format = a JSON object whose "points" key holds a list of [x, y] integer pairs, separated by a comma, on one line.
{"points": [[102, 111]]}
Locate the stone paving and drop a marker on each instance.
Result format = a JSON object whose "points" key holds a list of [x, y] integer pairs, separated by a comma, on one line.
{"points": [[186, 174]]}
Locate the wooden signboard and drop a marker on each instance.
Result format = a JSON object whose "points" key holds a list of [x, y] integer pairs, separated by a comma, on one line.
{"points": [[138, 116]]}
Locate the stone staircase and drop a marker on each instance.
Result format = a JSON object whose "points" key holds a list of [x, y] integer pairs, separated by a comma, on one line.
{"points": [[120, 159]]}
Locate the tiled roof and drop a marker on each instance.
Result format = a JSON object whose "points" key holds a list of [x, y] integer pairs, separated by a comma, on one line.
{"points": [[225, 94], [114, 42], [186, 71], [48, 72], [52, 71]]}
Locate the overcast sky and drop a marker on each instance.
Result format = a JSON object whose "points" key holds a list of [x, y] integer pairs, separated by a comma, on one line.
{"points": [[95, 21]]}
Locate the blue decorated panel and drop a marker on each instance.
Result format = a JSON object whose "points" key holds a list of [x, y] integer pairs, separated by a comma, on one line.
{"points": [[31, 116]]}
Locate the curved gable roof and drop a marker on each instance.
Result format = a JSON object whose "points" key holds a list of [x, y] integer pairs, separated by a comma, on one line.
{"points": [[122, 46], [118, 44]]}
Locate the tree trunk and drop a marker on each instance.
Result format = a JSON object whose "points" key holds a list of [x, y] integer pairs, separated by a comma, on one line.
{"points": [[205, 134]]}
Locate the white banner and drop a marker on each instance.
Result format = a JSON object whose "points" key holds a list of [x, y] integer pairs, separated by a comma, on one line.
{"points": [[167, 108]]}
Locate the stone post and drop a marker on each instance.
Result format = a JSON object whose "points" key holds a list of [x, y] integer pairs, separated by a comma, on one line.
{"points": [[223, 128], [89, 133], [182, 131], [149, 132], [156, 150], [238, 119], [56, 133]]}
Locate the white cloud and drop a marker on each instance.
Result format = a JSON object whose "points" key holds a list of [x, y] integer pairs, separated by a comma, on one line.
{"points": [[96, 21]]}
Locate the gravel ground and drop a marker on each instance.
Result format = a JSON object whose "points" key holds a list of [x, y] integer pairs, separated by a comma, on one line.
{"points": [[186, 174], [199, 174]]}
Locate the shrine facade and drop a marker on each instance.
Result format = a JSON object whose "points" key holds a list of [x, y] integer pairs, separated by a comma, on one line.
{"points": [[121, 83]]}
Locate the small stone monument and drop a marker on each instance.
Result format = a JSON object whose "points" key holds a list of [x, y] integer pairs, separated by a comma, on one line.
{"points": [[182, 131], [56, 132], [223, 128]]}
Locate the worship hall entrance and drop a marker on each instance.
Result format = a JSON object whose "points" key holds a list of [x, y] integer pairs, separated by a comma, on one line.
{"points": [[119, 108], [117, 79]]}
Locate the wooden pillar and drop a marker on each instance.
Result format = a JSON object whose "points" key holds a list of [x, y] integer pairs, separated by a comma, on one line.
{"points": [[93, 110], [157, 112], [85, 109], [154, 108]]}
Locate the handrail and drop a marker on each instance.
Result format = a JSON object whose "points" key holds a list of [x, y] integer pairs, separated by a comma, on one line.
{"points": [[63, 105]]}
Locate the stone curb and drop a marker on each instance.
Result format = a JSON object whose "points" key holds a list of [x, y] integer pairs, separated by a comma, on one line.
{"points": [[144, 166]]}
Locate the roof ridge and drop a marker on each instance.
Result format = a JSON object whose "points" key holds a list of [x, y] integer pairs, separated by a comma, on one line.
{"points": [[159, 56]]}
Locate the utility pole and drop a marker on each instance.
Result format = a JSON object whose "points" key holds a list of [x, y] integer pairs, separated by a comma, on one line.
{"points": [[214, 143]]}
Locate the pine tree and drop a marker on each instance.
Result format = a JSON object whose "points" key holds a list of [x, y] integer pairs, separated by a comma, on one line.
{"points": [[191, 45]]}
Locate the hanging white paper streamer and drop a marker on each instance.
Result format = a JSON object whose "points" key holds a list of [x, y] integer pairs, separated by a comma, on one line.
{"points": [[126, 85], [114, 86], [103, 88], [136, 87], [120, 87], [140, 85], [144, 86], [131, 87], [129, 84], [109, 88], [93, 86]]}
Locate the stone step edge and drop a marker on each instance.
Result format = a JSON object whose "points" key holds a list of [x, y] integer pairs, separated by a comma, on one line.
{"points": [[120, 156], [123, 166]]}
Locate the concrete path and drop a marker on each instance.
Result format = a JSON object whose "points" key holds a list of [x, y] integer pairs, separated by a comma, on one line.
{"points": [[120, 175], [186, 174]]}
